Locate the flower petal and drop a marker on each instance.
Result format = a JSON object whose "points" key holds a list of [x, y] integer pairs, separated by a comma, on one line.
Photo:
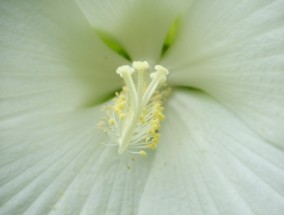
{"points": [[234, 50], [210, 162], [56, 164], [140, 26], [51, 59]]}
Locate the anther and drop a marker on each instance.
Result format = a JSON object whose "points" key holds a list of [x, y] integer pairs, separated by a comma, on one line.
{"points": [[142, 153]]}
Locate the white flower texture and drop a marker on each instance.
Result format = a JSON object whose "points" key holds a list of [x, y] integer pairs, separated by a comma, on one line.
{"points": [[221, 150]]}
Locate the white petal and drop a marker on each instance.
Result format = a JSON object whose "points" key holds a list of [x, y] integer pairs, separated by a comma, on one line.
{"points": [[234, 50], [140, 26], [57, 165], [209, 162], [51, 58]]}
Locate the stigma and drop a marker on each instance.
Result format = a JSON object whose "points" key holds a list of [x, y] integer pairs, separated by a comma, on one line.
{"points": [[133, 121]]}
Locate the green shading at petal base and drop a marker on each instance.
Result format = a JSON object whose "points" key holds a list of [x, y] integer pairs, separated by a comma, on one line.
{"points": [[171, 36], [113, 43]]}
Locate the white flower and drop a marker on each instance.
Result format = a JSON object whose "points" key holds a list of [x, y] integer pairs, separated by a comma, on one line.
{"points": [[221, 146]]}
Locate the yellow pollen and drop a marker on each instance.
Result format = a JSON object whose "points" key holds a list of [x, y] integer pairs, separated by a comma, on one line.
{"points": [[142, 153], [133, 121], [121, 116], [111, 121]]}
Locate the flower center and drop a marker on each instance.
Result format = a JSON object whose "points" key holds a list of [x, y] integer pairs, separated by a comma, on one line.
{"points": [[133, 121]]}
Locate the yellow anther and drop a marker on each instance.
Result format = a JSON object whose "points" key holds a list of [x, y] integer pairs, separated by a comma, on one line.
{"points": [[156, 126], [142, 153], [121, 116], [152, 146], [111, 121], [158, 96], [115, 109], [155, 122], [156, 137], [120, 105], [159, 115], [143, 119]]}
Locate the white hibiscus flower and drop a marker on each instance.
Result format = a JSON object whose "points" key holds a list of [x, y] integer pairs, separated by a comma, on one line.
{"points": [[221, 146]]}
